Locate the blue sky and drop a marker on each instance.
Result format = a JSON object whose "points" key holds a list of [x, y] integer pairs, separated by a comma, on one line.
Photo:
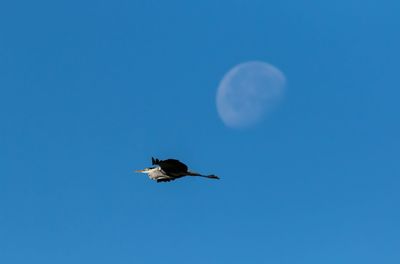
{"points": [[90, 90]]}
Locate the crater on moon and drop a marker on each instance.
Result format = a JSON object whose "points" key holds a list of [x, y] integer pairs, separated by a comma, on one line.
{"points": [[248, 92]]}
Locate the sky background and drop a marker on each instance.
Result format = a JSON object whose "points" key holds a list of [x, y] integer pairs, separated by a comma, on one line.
{"points": [[91, 90]]}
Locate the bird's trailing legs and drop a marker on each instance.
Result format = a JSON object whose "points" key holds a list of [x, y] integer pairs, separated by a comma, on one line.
{"points": [[212, 176]]}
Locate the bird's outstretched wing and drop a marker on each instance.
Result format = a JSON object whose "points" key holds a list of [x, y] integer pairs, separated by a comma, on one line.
{"points": [[166, 180], [154, 161], [170, 166]]}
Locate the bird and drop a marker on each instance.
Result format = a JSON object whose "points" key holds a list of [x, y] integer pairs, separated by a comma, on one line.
{"points": [[169, 170]]}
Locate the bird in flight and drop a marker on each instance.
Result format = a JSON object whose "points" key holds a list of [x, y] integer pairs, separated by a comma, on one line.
{"points": [[169, 170]]}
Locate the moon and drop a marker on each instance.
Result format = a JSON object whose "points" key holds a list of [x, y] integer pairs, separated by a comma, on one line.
{"points": [[248, 92]]}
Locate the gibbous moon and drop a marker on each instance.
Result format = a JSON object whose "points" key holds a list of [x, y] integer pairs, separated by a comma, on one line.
{"points": [[248, 92]]}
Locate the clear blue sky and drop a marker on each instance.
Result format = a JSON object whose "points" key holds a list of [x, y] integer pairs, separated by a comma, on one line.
{"points": [[90, 90]]}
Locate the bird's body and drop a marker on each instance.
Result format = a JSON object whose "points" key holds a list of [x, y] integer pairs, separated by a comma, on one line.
{"points": [[169, 170]]}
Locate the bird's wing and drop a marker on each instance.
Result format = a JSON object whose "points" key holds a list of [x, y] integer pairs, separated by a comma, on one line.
{"points": [[172, 166], [165, 179], [154, 161]]}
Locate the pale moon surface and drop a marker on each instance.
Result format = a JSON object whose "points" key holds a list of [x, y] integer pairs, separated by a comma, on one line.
{"points": [[248, 92]]}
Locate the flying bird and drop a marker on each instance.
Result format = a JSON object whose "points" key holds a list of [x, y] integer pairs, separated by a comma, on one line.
{"points": [[169, 170]]}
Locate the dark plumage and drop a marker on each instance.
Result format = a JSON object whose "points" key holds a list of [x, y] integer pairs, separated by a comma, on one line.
{"points": [[170, 166], [169, 170]]}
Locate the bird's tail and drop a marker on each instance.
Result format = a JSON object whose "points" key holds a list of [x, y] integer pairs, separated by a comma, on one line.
{"points": [[212, 176]]}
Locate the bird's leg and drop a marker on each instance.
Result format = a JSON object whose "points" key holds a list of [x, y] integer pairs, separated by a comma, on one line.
{"points": [[191, 173]]}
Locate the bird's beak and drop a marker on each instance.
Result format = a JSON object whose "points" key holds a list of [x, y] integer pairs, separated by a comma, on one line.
{"points": [[138, 170]]}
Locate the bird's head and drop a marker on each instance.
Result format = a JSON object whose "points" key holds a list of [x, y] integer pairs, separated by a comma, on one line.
{"points": [[145, 170]]}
